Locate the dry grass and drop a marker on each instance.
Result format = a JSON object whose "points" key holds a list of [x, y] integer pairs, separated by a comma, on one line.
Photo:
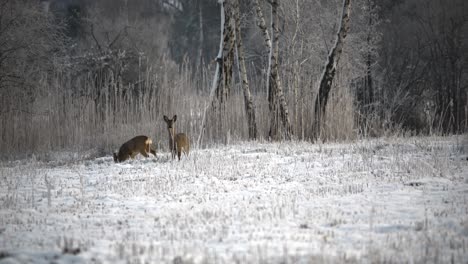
{"points": [[100, 112]]}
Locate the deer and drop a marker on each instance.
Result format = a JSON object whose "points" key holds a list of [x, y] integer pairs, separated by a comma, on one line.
{"points": [[177, 142], [131, 148]]}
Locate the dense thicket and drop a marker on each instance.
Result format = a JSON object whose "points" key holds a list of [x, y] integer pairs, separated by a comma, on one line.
{"points": [[80, 74]]}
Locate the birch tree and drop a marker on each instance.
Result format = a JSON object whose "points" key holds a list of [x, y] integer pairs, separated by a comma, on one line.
{"points": [[222, 81], [225, 59], [217, 76], [248, 101], [329, 71], [276, 101]]}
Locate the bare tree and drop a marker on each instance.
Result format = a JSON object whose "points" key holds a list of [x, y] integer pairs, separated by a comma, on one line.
{"points": [[227, 59], [329, 71], [218, 73], [424, 66], [444, 52], [200, 36], [222, 81], [248, 100], [276, 100], [30, 41]]}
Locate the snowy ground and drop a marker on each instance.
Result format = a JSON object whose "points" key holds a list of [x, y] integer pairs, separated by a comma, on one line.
{"points": [[385, 200]]}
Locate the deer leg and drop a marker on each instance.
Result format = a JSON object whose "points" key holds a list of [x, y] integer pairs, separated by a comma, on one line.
{"points": [[143, 152], [152, 151], [178, 154], [147, 148]]}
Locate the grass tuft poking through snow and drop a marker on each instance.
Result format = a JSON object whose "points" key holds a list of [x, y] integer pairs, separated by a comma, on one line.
{"points": [[382, 200]]}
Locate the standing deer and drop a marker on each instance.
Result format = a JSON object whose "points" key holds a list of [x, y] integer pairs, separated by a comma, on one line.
{"points": [[131, 148], [177, 142]]}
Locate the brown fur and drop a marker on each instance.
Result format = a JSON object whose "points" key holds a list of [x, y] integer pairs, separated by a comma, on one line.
{"points": [[178, 143], [131, 148]]}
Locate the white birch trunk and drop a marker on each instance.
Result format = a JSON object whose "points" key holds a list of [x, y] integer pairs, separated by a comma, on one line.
{"points": [[248, 101], [216, 78], [266, 36], [277, 90]]}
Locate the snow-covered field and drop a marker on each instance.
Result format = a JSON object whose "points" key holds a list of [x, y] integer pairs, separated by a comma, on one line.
{"points": [[384, 200]]}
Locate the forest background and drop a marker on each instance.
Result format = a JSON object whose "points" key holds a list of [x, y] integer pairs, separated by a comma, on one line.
{"points": [[82, 74]]}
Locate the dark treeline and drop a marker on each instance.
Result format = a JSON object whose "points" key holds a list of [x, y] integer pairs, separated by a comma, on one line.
{"points": [[87, 67]]}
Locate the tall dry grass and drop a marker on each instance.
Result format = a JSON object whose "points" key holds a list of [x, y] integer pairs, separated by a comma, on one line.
{"points": [[100, 111]]}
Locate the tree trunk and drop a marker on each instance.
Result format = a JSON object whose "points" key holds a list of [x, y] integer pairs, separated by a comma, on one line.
{"points": [[227, 58], [328, 74], [248, 101], [266, 36], [217, 76], [365, 89], [276, 101], [278, 90], [370, 87], [199, 59]]}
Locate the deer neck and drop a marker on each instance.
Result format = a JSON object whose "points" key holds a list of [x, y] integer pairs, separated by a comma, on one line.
{"points": [[171, 132]]}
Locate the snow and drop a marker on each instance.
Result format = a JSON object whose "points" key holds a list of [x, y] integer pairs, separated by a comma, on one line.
{"points": [[382, 200]]}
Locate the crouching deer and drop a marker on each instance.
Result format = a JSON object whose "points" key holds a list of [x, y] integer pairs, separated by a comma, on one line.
{"points": [[131, 148], [177, 142]]}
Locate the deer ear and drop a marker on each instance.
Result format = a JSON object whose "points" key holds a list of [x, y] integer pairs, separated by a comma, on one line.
{"points": [[174, 118], [166, 119]]}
